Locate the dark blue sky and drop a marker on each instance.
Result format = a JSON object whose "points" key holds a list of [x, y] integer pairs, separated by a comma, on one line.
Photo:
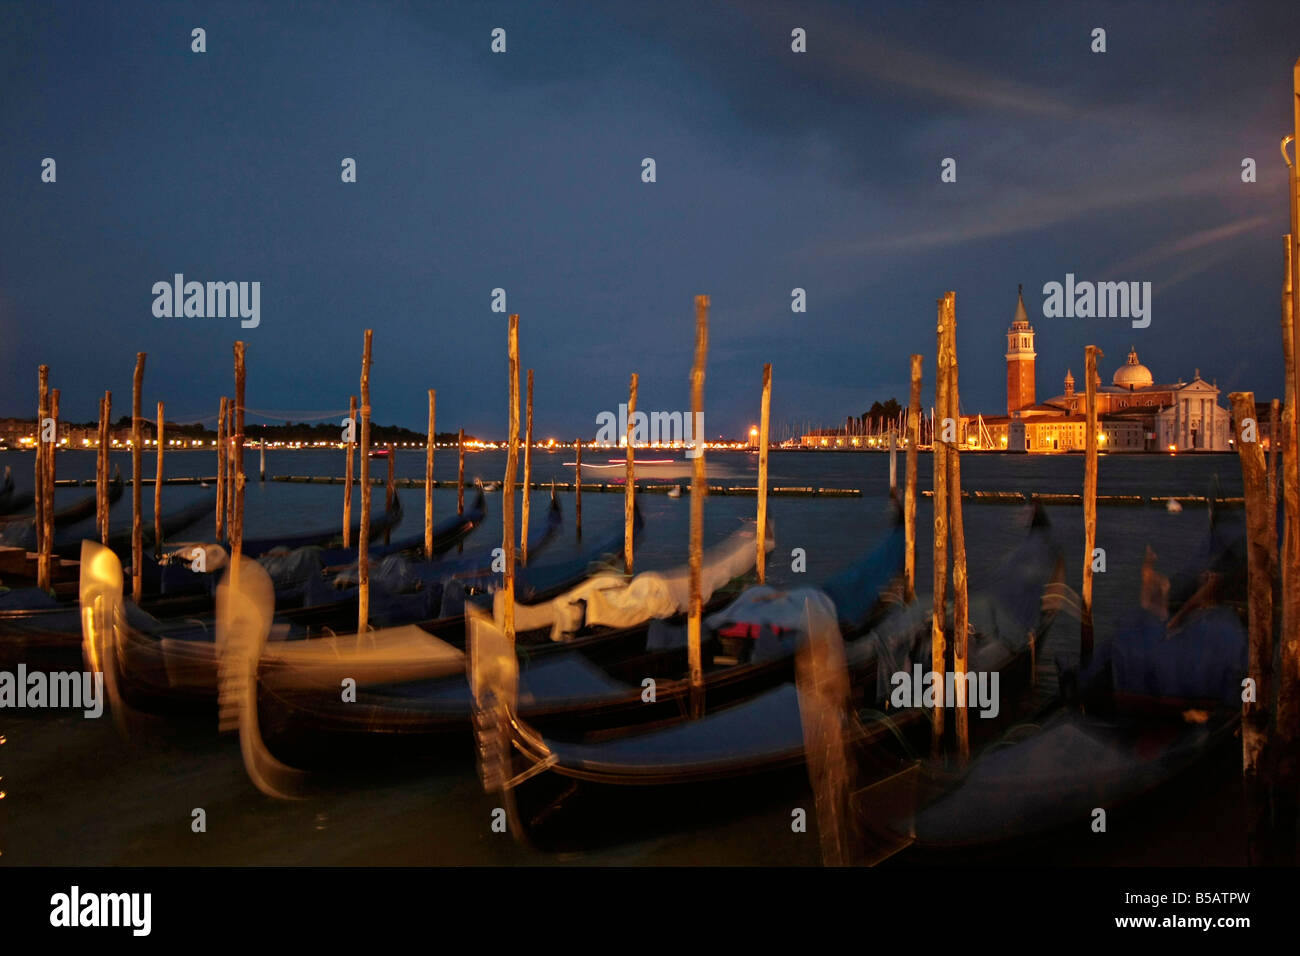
{"points": [[522, 170]]}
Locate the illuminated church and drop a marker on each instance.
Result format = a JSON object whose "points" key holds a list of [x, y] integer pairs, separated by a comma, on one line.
{"points": [[1134, 412]]}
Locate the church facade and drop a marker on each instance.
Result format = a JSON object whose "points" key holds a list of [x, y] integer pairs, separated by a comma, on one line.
{"points": [[1135, 413]]}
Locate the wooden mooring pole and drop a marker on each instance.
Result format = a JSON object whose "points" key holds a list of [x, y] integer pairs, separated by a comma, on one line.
{"points": [[363, 536], [508, 485], [237, 470], [629, 490], [390, 491], [1089, 497], [1261, 524], [230, 469], [764, 432], [157, 484], [101, 469], [222, 452], [577, 487], [1287, 779], [350, 471], [42, 463], [428, 475], [51, 458], [939, 611], [909, 490], [460, 472], [698, 490], [528, 472], [957, 528], [137, 441]]}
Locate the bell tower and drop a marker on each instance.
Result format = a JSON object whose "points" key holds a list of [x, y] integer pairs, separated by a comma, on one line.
{"points": [[1020, 359]]}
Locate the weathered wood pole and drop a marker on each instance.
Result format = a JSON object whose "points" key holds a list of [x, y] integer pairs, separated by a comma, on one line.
{"points": [[38, 487], [230, 468], [237, 466], [1286, 744], [222, 451], [577, 485], [47, 518], [460, 472], [698, 491], [1255, 717], [939, 610], [528, 471], [363, 535], [764, 432], [351, 470], [629, 490], [101, 472], [1089, 496], [1286, 782], [428, 475], [960, 597], [390, 491], [1274, 422], [157, 486], [893, 459], [508, 485], [137, 441], [909, 489]]}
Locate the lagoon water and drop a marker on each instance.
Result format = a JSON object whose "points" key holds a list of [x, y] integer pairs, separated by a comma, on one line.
{"points": [[78, 793]]}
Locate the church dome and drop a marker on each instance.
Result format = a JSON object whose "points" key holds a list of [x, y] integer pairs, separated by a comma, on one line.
{"points": [[1133, 374]]}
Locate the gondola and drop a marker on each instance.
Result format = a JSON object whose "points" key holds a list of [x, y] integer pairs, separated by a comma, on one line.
{"points": [[37, 628], [172, 666], [592, 680], [535, 773], [20, 531], [11, 500], [331, 537], [1144, 707]]}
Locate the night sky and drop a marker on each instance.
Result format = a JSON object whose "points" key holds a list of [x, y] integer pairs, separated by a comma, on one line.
{"points": [[522, 170]]}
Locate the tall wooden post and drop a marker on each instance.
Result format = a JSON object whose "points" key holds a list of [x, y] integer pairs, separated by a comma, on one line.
{"points": [[1089, 497], [390, 490], [363, 536], [42, 462], [237, 464], [939, 615], [137, 441], [222, 451], [1286, 784], [230, 468], [47, 519], [957, 527], [101, 476], [893, 459], [528, 471], [629, 490], [1260, 534], [764, 438], [428, 475], [577, 485], [157, 485], [909, 490], [508, 485], [698, 491], [460, 473], [1274, 423], [351, 470]]}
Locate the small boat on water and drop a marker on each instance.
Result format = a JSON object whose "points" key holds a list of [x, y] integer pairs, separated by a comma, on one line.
{"points": [[536, 773], [20, 530], [614, 468]]}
